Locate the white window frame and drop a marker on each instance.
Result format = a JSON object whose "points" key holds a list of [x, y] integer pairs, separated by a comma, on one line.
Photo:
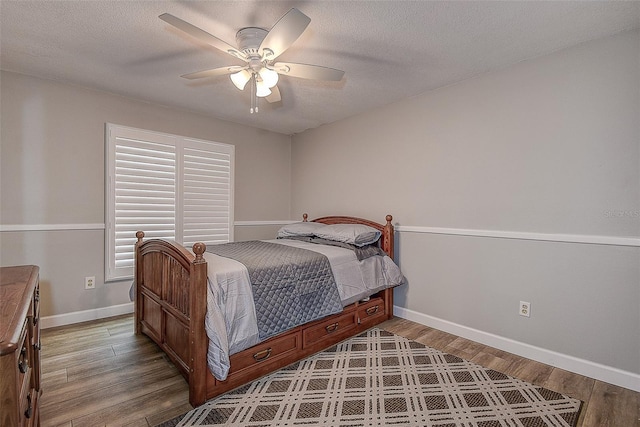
{"points": [[194, 162]]}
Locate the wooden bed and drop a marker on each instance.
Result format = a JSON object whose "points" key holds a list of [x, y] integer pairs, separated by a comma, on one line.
{"points": [[171, 303]]}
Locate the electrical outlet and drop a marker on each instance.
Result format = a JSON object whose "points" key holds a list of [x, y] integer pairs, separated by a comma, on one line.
{"points": [[90, 282], [525, 309]]}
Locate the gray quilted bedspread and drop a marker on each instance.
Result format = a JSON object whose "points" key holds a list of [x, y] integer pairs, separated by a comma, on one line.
{"points": [[291, 286]]}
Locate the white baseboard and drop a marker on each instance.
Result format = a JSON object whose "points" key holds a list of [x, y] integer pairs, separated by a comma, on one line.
{"points": [[587, 368], [85, 316]]}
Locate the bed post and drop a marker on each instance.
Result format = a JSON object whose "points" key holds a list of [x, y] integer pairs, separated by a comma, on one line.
{"points": [[137, 277], [387, 233], [388, 238], [198, 341]]}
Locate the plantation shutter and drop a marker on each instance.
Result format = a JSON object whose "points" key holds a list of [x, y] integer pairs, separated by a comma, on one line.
{"points": [[168, 186], [206, 194]]}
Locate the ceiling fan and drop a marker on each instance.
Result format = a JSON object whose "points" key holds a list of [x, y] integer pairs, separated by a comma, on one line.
{"points": [[259, 48]]}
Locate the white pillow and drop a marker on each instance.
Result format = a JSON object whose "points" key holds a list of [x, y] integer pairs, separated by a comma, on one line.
{"points": [[355, 234], [300, 229]]}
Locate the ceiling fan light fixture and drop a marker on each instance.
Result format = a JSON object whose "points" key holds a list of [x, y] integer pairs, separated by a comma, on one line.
{"points": [[259, 49], [240, 78], [269, 77], [262, 90]]}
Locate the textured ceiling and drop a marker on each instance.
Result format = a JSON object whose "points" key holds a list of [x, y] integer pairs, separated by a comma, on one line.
{"points": [[389, 50]]}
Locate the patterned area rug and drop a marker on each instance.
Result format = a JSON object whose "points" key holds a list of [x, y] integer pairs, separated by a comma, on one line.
{"points": [[381, 379]]}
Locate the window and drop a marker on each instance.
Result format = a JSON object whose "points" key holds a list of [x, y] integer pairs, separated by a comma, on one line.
{"points": [[168, 186]]}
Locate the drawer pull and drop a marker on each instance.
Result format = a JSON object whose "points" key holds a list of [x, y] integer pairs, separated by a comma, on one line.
{"points": [[22, 363], [372, 310], [29, 410], [331, 328], [37, 346], [262, 355]]}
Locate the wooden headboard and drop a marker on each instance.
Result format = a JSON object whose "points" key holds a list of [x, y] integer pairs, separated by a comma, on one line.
{"points": [[386, 239]]}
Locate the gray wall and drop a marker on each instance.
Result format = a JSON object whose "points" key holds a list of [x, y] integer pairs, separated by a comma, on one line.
{"points": [[550, 145], [52, 172]]}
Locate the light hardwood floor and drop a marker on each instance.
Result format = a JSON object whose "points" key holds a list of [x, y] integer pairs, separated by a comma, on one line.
{"points": [[101, 374]]}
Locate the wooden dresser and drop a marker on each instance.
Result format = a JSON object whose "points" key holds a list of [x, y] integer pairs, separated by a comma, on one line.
{"points": [[19, 346]]}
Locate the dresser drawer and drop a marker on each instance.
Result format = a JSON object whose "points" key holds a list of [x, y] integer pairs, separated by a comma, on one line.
{"points": [[23, 362], [34, 361], [330, 329], [371, 311], [269, 351], [36, 306], [28, 407]]}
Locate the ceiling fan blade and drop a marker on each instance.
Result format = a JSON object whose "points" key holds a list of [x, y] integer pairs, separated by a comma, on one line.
{"points": [[213, 72], [274, 96], [202, 35], [304, 71], [283, 34]]}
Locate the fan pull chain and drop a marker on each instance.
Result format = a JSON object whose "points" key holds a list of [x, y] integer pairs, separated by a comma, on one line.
{"points": [[253, 94]]}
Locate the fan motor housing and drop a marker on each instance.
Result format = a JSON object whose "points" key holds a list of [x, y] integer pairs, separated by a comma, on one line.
{"points": [[249, 39]]}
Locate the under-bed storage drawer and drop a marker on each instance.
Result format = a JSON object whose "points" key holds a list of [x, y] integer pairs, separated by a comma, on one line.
{"points": [[371, 311], [329, 329], [268, 351]]}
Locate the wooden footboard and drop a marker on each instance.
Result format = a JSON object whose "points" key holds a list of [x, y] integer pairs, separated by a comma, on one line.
{"points": [[171, 303]]}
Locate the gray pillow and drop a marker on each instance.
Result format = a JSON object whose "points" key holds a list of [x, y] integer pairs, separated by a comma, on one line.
{"points": [[362, 252], [300, 229], [355, 234]]}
